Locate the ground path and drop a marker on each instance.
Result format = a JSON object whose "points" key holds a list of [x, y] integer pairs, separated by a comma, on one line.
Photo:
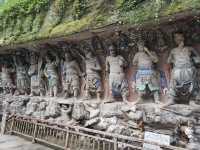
{"points": [[8, 142]]}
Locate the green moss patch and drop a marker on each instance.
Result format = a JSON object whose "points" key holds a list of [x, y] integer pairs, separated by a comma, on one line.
{"points": [[29, 20]]}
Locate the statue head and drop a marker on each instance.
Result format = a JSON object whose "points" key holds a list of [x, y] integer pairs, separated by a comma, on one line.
{"points": [[33, 58], [179, 38], [48, 58], [112, 50], [140, 46], [68, 57]]}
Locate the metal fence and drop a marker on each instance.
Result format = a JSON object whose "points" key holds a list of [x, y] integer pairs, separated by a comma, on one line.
{"points": [[73, 137]]}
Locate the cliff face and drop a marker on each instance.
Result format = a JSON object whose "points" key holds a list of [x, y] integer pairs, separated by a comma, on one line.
{"points": [[30, 20]]}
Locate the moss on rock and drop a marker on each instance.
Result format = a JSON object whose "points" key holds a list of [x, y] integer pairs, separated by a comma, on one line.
{"points": [[28, 20]]}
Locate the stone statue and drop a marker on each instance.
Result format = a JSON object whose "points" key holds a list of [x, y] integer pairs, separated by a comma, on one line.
{"points": [[23, 81], [93, 79], [38, 84], [43, 87], [51, 73], [147, 78], [7, 83], [33, 73], [71, 73], [118, 84], [183, 82], [65, 114]]}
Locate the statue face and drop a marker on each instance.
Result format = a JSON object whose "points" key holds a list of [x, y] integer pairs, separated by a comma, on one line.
{"points": [[140, 48], [67, 56], [179, 38], [33, 59], [112, 51]]}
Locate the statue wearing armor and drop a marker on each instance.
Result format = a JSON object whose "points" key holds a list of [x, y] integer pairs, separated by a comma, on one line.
{"points": [[51, 73], [183, 82], [23, 82], [71, 73], [33, 73], [7, 83], [147, 78], [118, 84], [93, 79]]}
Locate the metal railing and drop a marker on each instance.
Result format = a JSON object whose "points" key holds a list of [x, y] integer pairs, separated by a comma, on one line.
{"points": [[73, 137]]}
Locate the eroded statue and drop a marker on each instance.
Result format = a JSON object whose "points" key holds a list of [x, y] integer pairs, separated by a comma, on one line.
{"points": [[51, 73], [183, 82], [115, 65], [93, 78], [65, 114], [23, 81], [71, 73], [147, 78], [7, 83], [33, 73]]}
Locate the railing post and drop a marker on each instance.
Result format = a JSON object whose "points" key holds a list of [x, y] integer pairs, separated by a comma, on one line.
{"points": [[12, 124], [4, 117], [115, 143], [3, 123], [35, 131], [67, 138]]}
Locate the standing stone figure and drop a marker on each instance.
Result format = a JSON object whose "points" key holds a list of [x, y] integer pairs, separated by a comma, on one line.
{"points": [[33, 73], [118, 84], [93, 79], [23, 81], [51, 73], [71, 73], [7, 83], [147, 78], [183, 82], [43, 81]]}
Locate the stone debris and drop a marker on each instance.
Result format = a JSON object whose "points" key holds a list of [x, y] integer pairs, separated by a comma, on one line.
{"points": [[117, 117]]}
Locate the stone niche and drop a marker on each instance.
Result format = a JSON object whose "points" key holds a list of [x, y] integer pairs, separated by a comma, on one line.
{"points": [[94, 83]]}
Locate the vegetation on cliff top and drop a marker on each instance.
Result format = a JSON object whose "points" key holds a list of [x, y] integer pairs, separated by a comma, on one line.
{"points": [[29, 20]]}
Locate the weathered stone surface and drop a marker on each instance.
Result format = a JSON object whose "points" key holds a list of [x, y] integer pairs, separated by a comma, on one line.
{"points": [[104, 123], [91, 122], [18, 104], [111, 109], [79, 112], [156, 138], [117, 117], [52, 109]]}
